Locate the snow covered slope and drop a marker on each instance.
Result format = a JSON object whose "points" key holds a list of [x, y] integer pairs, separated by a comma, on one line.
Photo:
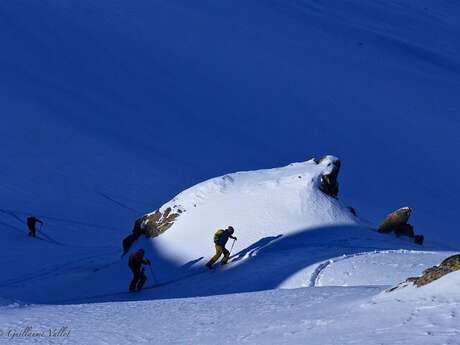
{"points": [[318, 316], [290, 234], [258, 204], [110, 108]]}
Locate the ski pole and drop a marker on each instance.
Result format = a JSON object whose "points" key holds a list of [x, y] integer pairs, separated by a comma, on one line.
{"points": [[230, 252], [47, 237], [153, 275], [42, 233], [41, 229]]}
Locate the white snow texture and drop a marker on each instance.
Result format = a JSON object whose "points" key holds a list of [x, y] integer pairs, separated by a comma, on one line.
{"points": [[111, 108]]}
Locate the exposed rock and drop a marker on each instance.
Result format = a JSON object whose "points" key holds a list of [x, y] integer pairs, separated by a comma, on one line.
{"points": [[395, 220], [156, 223], [137, 228], [352, 211], [451, 264], [128, 242], [329, 183], [404, 230], [151, 225]]}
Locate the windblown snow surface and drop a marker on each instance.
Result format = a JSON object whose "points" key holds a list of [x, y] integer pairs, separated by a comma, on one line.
{"points": [[110, 108]]}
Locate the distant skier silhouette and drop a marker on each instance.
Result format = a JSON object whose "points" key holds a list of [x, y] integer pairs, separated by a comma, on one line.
{"points": [[31, 222], [220, 240], [135, 262]]}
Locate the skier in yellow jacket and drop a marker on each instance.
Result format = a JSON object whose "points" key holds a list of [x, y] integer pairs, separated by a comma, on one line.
{"points": [[220, 240]]}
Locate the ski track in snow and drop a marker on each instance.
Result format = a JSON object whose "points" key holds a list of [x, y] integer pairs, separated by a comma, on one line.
{"points": [[113, 107], [315, 277]]}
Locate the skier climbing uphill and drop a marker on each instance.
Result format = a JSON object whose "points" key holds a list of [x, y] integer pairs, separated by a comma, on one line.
{"points": [[31, 222], [135, 264], [220, 240]]}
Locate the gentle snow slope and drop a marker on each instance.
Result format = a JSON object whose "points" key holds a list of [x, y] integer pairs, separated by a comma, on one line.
{"points": [[317, 316]]}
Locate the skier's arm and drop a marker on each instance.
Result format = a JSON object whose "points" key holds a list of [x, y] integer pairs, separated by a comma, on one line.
{"points": [[146, 261], [39, 221], [233, 237]]}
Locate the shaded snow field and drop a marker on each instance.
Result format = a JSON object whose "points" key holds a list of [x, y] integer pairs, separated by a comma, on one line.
{"points": [[327, 315]]}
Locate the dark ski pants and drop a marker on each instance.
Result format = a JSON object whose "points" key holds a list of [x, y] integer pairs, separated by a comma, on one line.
{"points": [[138, 281], [32, 231]]}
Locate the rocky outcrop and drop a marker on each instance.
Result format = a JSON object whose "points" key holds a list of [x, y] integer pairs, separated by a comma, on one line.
{"points": [[396, 222], [154, 224], [151, 225], [451, 264], [128, 242], [329, 184]]}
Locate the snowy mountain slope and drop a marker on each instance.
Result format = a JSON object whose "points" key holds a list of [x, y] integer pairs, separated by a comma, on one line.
{"points": [[109, 108], [325, 315], [286, 227], [328, 315], [298, 237]]}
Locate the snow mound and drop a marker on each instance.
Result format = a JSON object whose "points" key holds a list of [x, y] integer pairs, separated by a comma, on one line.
{"points": [[384, 267], [258, 204]]}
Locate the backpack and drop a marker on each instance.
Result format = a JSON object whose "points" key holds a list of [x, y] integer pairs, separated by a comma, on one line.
{"points": [[218, 235], [135, 259]]}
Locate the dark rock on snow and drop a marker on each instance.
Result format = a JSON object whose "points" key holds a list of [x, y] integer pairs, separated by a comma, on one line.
{"points": [[451, 264], [329, 183], [396, 222]]}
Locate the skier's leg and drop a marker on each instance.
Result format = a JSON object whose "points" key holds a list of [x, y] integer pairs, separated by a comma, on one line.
{"points": [[136, 277], [226, 257], [142, 280], [418, 239], [215, 257]]}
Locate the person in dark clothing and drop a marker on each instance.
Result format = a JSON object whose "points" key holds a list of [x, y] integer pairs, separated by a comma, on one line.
{"points": [[31, 222], [135, 262]]}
